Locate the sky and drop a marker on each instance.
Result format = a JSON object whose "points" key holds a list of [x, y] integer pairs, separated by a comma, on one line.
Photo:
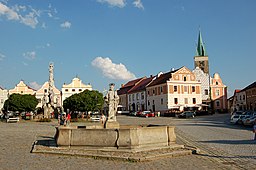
{"points": [[105, 41]]}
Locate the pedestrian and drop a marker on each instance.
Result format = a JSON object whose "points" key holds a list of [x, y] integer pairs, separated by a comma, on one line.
{"points": [[68, 119], [102, 118], [59, 117], [254, 129]]}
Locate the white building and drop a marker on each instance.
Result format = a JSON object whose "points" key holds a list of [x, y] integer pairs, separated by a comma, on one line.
{"points": [[44, 90], [204, 79], [137, 98], [3, 97], [76, 86]]}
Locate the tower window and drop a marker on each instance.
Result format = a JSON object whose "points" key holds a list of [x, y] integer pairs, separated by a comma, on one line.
{"points": [[185, 78]]}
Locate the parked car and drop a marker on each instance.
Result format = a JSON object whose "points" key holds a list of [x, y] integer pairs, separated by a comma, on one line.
{"points": [[242, 117], [187, 114], [234, 118], [237, 113], [249, 121], [147, 114]]}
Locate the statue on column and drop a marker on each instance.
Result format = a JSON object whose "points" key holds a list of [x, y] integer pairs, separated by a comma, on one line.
{"points": [[112, 100], [48, 99]]}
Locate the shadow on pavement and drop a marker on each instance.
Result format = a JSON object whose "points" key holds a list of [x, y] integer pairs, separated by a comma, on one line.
{"points": [[218, 156], [231, 142]]}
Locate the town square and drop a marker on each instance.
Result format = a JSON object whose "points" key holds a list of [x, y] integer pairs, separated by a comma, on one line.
{"points": [[127, 84]]}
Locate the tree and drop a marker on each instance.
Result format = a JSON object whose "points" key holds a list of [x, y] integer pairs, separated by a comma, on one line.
{"points": [[21, 103], [84, 101]]}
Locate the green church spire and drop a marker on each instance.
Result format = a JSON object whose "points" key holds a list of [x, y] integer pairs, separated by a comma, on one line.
{"points": [[200, 50]]}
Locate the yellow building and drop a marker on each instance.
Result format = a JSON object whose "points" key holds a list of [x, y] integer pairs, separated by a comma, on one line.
{"points": [[76, 86], [22, 88]]}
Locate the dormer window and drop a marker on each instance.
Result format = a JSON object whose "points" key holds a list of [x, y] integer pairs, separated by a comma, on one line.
{"points": [[217, 83]]}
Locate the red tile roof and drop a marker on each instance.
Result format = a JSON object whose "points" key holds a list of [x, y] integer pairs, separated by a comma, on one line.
{"points": [[125, 88], [141, 85], [163, 78]]}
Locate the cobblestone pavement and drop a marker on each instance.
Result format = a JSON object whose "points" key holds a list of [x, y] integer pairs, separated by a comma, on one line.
{"points": [[16, 142]]}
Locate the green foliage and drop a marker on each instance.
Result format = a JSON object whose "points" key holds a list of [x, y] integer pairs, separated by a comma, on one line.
{"points": [[84, 101], [18, 102]]}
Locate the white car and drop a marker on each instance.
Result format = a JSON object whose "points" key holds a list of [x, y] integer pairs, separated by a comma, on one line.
{"points": [[234, 119]]}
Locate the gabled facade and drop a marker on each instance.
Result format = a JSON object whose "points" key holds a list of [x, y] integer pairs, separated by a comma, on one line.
{"points": [[204, 79], [3, 97], [218, 93], [177, 89], [76, 86], [137, 98], [22, 88], [123, 93], [44, 90]]}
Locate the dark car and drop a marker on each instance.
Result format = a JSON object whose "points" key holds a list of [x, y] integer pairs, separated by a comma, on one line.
{"points": [[187, 114]]}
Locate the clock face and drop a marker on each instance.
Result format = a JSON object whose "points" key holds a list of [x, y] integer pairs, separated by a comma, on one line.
{"points": [[201, 63]]}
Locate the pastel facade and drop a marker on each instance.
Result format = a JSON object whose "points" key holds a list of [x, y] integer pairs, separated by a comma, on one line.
{"points": [[44, 90], [137, 97], [76, 86], [123, 93], [218, 93], [22, 88], [3, 97], [177, 89]]}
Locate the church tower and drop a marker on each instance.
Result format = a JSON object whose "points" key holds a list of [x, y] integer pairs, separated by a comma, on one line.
{"points": [[201, 58]]}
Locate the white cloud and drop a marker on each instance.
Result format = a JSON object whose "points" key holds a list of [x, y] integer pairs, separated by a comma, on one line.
{"points": [[2, 57], [66, 24], [138, 4], [114, 3], [12, 13], [112, 70], [35, 85], [48, 45], [30, 55]]}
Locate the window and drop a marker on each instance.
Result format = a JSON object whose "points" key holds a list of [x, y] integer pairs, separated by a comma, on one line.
{"points": [[21, 92], [148, 103], [153, 92], [162, 101], [186, 100], [80, 89], [185, 78], [218, 103], [161, 89], [175, 100], [243, 97], [186, 89], [132, 97], [137, 96], [193, 89], [129, 97], [73, 90], [206, 92], [66, 90], [194, 100], [153, 102], [2, 100], [218, 92], [142, 96], [217, 83], [45, 90], [175, 89], [148, 92]]}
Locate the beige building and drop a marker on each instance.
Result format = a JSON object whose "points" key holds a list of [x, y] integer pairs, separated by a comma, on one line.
{"points": [[22, 88], [177, 89], [3, 97], [44, 90], [76, 86]]}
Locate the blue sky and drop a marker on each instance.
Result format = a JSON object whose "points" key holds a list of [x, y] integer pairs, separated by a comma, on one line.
{"points": [[131, 38]]}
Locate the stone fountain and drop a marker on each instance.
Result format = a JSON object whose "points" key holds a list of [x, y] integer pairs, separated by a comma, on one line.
{"points": [[112, 140]]}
